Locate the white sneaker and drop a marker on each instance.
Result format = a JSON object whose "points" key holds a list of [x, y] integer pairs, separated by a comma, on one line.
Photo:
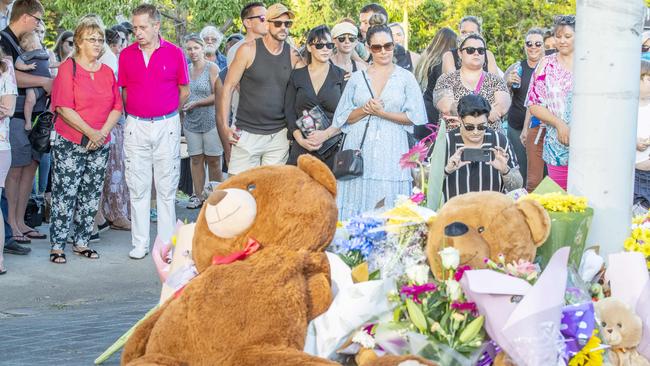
{"points": [[138, 253]]}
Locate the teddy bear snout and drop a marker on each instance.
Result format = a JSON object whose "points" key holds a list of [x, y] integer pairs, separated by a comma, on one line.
{"points": [[230, 212], [456, 229], [216, 197]]}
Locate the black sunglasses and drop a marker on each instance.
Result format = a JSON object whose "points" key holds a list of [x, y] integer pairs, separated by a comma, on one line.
{"points": [[480, 127], [70, 43], [262, 18], [319, 46], [645, 48], [472, 50], [278, 23], [537, 44], [352, 39], [376, 48]]}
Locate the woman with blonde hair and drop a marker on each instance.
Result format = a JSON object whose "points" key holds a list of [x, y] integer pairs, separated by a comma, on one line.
{"points": [[429, 70], [87, 99]]}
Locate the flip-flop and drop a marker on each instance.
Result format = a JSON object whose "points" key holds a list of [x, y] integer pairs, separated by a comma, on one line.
{"points": [[24, 240], [3, 272], [34, 236]]}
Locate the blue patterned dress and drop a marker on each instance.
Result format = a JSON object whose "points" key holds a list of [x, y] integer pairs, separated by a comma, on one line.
{"points": [[385, 142]]}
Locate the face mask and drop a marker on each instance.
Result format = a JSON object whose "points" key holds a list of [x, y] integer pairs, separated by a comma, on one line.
{"points": [[645, 56]]}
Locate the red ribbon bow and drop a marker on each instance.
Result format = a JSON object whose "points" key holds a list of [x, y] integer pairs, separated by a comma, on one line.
{"points": [[251, 247]]}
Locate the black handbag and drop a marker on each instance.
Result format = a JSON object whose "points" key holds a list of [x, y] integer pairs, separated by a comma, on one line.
{"points": [[39, 136], [348, 164]]}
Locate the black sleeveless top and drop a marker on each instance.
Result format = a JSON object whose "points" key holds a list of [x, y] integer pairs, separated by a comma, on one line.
{"points": [[517, 111], [261, 91], [457, 61]]}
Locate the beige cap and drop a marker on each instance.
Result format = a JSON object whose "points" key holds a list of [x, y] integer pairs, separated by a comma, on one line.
{"points": [[344, 28], [277, 10]]}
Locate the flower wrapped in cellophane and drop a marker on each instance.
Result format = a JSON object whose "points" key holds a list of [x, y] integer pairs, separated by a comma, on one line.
{"points": [[639, 239], [570, 221]]}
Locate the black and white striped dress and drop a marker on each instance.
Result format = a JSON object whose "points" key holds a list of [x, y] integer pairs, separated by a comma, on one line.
{"points": [[476, 176]]}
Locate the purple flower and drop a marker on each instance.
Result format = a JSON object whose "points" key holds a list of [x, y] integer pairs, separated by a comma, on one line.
{"points": [[461, 271], [414, 291], [469, 307]]}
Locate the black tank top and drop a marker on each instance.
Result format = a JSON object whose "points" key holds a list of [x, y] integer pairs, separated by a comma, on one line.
{"points": [[458, 63], [261, 91]]}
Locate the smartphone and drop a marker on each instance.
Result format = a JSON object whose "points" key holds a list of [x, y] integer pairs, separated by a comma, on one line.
{"points": [[484, 155]]}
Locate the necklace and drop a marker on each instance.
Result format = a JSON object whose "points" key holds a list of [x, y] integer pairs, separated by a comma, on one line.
{"points": [[91, 67]]}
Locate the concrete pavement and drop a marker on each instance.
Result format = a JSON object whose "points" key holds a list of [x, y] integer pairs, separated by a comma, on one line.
{"points": [[68, 314]]}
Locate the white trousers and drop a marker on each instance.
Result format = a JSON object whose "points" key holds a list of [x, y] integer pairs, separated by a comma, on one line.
{"points": [[152, 147]]}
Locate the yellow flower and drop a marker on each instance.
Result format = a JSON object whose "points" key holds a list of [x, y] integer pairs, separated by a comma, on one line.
{"points": [[558, 202], [590, 355]]}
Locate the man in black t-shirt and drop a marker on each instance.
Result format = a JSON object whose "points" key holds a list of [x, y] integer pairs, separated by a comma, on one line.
{"points": [[26, 15]]}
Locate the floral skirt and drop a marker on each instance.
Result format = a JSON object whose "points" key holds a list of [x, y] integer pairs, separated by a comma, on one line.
{"points": [[115, 204]]}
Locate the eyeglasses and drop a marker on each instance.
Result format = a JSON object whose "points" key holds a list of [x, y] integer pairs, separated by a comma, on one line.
{"points": [[376, 48], [565, 20], [351, 39], [278, 23], [69, 43], [262, 18], [473, 50], [645, 48], [480, 127], [537, 44], [319, 46], [95, 40], [35, 17]]}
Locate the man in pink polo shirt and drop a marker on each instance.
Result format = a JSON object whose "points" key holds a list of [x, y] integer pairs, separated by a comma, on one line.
{"points": [[154, 77]]}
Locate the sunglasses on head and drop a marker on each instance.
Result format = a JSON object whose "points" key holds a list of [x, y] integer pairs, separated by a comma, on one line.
{"points": [[480, 127], [262, 18], [351, 39], [645, 48], [376, 48], [278, 23], [537, 44], [565, 20], [319, 46], [472, 50]]}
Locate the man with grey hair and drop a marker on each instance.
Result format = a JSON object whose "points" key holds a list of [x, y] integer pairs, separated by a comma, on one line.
{"points": [[212, 38]]}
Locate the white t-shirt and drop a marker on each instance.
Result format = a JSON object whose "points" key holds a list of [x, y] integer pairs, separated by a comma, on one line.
{"points": [[109, 59], [233, 50], [7, 87], [643, 131]]}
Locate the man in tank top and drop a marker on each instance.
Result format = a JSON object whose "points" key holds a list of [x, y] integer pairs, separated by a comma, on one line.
{"points": [[261, 68]]}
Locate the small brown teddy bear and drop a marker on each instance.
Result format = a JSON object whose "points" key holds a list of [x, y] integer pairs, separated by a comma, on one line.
{"points": [[485, 224], [621, 329]]}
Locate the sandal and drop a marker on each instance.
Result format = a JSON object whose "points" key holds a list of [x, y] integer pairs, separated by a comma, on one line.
{"points": [[58, 258], [86, 252], [36, 234], [21, 239]]}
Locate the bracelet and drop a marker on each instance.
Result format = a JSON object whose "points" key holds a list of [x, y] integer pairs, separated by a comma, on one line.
{"points": [[507, 172]]}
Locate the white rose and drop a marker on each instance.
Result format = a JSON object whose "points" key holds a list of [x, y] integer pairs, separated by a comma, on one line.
{"points": [[454, 290], [419, 274], [364, 339], [450, 258]]}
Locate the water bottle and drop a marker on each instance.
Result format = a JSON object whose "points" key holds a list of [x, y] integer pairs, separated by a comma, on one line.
{"points": [[519, 72]]}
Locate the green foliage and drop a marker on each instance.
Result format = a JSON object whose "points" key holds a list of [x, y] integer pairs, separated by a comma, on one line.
{"points": [[505, 22]]}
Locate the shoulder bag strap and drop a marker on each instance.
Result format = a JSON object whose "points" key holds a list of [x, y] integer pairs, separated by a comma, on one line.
{"points": [[365, 131], [13, 43], [479, 85]]}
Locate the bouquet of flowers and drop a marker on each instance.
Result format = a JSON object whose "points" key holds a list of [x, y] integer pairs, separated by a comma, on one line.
{"points": [[639, 239], [570, 221]]}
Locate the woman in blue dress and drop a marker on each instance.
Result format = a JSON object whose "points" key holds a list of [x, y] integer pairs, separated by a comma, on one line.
{"points": [[390, 112]]}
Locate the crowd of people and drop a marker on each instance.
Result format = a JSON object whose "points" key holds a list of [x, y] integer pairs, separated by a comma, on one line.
{"points": [[124, 98]]}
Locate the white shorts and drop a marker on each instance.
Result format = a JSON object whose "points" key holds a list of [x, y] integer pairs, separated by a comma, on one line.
{"points": [[207, 143], [254, 150]]}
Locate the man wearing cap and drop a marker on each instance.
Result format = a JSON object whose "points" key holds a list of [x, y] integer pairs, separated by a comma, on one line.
{"points": [[154, 80], [261, 68]]}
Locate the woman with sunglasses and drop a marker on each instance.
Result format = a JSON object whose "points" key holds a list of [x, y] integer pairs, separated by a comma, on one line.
{"points": [[379, 107], [550, 98], [318, 86], [645, 46], [472, 79], [346, 38], [518, 78], [64, 46], [478, 157]]}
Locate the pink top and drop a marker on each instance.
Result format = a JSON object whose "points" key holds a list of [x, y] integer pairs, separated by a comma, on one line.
{"points": [[92, 97], [152, 90]]}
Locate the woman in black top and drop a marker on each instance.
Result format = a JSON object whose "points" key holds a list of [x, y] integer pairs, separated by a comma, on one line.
{"points": [[320, 84]]}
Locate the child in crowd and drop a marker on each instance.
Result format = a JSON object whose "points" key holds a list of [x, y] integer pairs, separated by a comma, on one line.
{"points": [[34, 60]]}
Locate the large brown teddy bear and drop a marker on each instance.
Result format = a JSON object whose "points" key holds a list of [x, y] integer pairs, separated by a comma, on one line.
{"points": [[251, 306], [485, 224]]}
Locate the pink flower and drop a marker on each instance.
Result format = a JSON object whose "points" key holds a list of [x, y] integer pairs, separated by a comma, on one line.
{"points": [[417, 198], [416, 155], [415, 291], [460, 271], [468, 307], [521, 267]]}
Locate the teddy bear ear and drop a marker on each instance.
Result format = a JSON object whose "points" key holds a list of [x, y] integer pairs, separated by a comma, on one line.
{"points": [[318, 171], [537, 219]]}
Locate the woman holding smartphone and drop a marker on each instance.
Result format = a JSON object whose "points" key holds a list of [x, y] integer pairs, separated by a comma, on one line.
{"points": [[466, 170]]}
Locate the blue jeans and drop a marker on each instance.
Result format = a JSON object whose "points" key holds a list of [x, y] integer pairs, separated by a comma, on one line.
{"points": [[5, 213], [43, 174]]}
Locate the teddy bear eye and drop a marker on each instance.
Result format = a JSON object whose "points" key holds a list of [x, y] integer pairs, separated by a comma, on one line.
{"points": [[251, 187], [604, 324], [619, 325], [480, 229]]}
